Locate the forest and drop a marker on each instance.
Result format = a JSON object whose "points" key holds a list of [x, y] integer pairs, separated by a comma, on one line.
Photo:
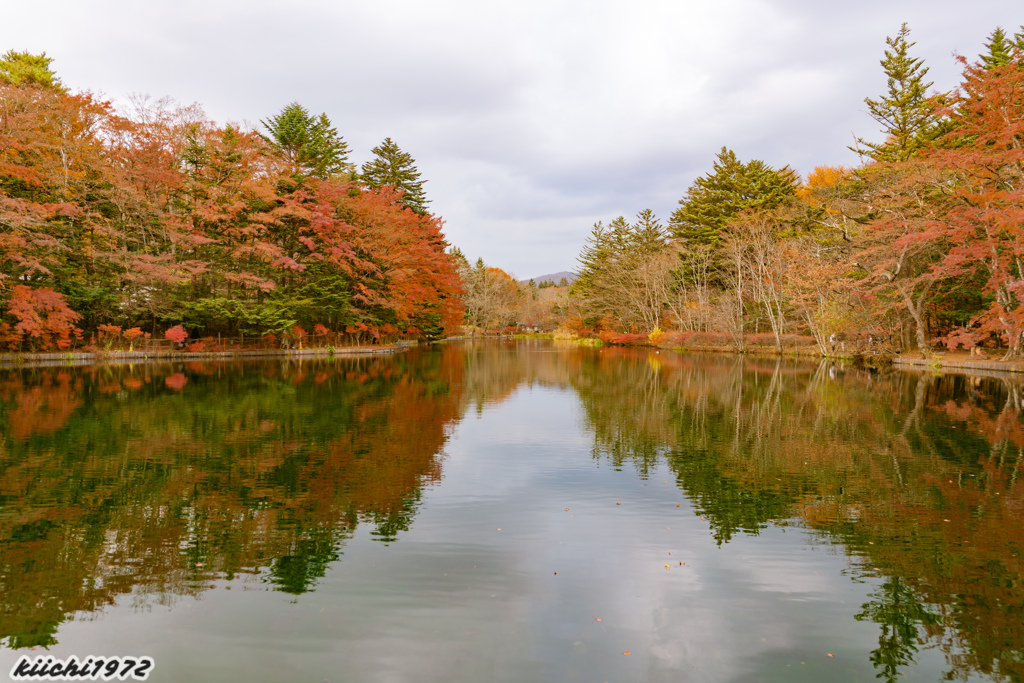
{"points": [[119, 228], [918, 247]]}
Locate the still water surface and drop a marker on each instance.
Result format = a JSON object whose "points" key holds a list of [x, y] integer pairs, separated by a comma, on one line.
{"points": [[514, 512]]}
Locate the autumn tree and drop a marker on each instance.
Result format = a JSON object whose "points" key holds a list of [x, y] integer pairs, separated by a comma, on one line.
{"points": [[761, 259], [984, 222], [157, 216], [43, 317], [904, 111], [391, 166], [493, 298]]}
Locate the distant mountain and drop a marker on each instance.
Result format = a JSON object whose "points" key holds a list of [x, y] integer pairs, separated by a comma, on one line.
{"points": [[554, 277]]}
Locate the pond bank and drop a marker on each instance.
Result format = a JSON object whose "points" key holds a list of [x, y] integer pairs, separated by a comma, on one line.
{"points": [[961, 363], [71, 358]]}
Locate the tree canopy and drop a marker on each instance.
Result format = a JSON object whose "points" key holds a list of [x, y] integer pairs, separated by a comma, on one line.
{"points": [[163, 219]]}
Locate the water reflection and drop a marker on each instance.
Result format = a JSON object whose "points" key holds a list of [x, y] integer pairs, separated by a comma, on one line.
{"points": [[916, 475], [151, 479], [147, 483]]}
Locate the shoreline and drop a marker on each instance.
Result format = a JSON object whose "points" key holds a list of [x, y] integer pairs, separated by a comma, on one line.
{"points": [[10, 361], [985, 366], [965, 365]]}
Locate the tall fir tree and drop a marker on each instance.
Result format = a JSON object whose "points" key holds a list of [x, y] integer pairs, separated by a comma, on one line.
{"points": [[25, 68], [904, 111], [999, 50], [392, 166], [311, 143], [730, 188]]}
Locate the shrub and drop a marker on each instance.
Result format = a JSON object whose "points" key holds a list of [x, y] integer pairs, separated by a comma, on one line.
{"points": [[43, 315], [176, 334]]}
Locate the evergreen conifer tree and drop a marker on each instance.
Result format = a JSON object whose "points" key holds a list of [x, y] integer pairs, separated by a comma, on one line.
{"points": [[310, 143], [392, 166], [999, 50], [903, 111], [722, 194], [25, 68]]}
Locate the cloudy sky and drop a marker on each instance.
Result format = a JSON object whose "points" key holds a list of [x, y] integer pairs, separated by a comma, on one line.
{"points": [[530, 119]]}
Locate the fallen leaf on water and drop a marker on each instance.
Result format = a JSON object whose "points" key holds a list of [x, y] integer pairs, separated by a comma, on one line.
{"points": [[831, 655], [626, 652], [670, 552], [682, 563], [618, 503], [666, 566], [677, 504], [200, 564], [499, 528], [566, 509], [556, 573], [598, 619]]}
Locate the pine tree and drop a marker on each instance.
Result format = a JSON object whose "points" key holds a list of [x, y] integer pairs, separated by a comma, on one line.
{"points": [[1018, 39], [310, 143], [730, 188], [904, 112], [25, 68], [392, 166], [999, 50]]}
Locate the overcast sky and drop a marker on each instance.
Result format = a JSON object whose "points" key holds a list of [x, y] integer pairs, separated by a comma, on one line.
{"points": [[529, 119]]}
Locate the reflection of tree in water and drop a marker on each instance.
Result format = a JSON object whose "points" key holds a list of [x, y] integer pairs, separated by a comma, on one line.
{"points": [[903, 622], [119, 484], [915, 474], [259, 470], [306, 562], [495, 369], [114, 481]]}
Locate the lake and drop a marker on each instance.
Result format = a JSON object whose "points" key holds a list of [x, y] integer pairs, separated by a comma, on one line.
{"points": [[514, 511]]}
